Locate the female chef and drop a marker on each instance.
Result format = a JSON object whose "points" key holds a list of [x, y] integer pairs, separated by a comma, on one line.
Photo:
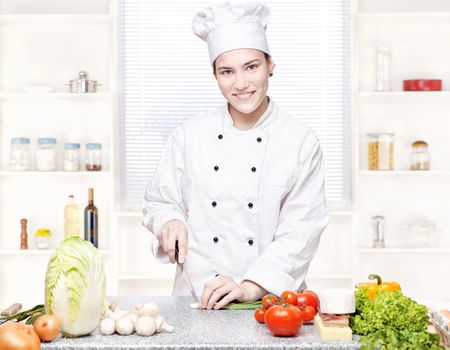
{"points": [[241, 188]]}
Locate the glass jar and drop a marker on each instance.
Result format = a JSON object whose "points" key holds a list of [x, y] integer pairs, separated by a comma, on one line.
{"points": [[93, 156], [46, 154], [420, 157], [71, 156], [422, 233], [19, 154], [381, 151], [383, 62], [42, 238]]}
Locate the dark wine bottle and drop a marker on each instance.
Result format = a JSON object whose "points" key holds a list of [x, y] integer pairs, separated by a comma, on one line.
{"points": [[91, 220]]}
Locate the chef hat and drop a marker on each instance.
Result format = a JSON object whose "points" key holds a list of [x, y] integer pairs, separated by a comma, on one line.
{"points": [[230, 26]]}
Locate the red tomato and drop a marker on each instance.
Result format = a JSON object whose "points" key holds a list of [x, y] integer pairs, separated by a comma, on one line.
{"points": [[289, 297], [308, 313], [283, 320], [311, 292], [269, 300], [259, 315], [308, 299]]}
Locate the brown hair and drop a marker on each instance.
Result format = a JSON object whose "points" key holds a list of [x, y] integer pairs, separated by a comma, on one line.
{"points": [[266, 56]]}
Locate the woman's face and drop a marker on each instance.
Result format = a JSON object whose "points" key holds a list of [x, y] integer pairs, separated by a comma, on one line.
{"points": [[243, 78]]}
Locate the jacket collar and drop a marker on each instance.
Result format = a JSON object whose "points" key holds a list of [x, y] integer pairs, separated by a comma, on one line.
{"points": [[266, 118]]}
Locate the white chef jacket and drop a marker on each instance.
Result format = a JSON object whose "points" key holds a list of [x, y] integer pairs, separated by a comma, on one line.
{"points": [[253, 200]]}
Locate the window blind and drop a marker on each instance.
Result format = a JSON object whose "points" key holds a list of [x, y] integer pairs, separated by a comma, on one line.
{"points": [[165, 78]]}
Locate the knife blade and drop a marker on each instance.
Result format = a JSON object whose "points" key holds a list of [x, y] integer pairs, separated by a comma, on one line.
{"points": [[186, 276]]}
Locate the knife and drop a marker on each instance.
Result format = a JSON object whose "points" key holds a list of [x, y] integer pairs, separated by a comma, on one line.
{"points": [[186, 276]]}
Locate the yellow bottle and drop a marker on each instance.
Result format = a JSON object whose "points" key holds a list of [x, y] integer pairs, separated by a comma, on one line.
{"points": [[71, 218]]}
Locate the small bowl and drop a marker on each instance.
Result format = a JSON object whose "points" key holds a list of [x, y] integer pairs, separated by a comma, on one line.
{"points": [[422, 85]]}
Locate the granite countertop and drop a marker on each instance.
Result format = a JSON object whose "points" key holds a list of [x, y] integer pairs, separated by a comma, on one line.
{"points": [[198, 329]]}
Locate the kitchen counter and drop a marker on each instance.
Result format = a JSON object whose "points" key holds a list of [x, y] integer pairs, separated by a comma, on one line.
{"points": [[199, 329]]}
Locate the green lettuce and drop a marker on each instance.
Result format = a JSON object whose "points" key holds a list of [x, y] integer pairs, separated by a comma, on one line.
{"points": [[75, 286], [392, 321]]}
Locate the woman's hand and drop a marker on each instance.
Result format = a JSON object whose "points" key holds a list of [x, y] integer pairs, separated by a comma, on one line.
{"points": [[172, 231], [222, 290]]}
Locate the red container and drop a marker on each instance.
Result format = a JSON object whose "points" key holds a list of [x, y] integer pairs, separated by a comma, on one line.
{"points": [[422, 85]]}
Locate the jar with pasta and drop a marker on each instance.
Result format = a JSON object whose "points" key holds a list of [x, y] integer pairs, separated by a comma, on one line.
{"points": [[380, 151]]}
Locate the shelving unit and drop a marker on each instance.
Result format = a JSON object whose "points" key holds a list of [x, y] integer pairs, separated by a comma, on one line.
{"points": [[47, 44], [412, 29]]}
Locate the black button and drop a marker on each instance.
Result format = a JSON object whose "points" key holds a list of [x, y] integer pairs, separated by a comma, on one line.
{"points": [[216, 239], [250, 205], [214, 203], [253, 169], [220, 136], [216, 168], [259, 139], [250, 241]]}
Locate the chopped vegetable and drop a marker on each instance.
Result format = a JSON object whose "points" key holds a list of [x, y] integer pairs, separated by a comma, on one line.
{"points": [[391, 321], [249, 305]]}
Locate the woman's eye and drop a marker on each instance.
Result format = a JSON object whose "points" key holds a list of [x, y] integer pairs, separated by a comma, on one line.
{"points": [[252, 67], [226, 72]]}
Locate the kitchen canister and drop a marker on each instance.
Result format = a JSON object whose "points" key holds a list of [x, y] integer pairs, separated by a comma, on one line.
{"points": [[46, 154], [93, 156], [380, 151], [72, 157], [19, 154], [420, 157]]}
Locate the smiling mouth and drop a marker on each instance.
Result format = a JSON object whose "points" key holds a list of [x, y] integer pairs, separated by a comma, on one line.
{"points": [[245, 96]]}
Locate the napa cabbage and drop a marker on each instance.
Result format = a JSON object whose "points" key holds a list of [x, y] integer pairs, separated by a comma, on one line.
{"points": [[75, 286]]}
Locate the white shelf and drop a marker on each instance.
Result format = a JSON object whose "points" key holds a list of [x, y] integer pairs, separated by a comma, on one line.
{"points": [[56, 173], [404, 94], [54, 19], [28, 252], [406, 16], [416, 173], [404, 250], [59, 95]]}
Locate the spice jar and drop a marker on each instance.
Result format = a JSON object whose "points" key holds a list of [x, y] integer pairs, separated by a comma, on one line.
{"points": [[420, 157], [46, 154], [381, 151], [42, 238], [93, 156], [19, 154], [71, 156]]}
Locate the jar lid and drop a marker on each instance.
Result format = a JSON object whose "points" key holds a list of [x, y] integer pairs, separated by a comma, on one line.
{"points": [[20, 141], [42, 232], [71, 146], [419, 143], [47, 141], [93, 146]]}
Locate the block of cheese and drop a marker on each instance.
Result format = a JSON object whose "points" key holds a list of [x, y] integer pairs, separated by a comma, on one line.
{"points": [[337, 301], [331, 333]]}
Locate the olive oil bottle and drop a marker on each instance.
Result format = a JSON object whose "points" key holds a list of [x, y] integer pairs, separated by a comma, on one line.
{"points": [[91, 220]]}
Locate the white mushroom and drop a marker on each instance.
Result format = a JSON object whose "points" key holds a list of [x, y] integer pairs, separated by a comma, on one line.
{"points": [[145, 326], [107, 326], [124, 326], [117, 314], [149, 309], [162, 326]]}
